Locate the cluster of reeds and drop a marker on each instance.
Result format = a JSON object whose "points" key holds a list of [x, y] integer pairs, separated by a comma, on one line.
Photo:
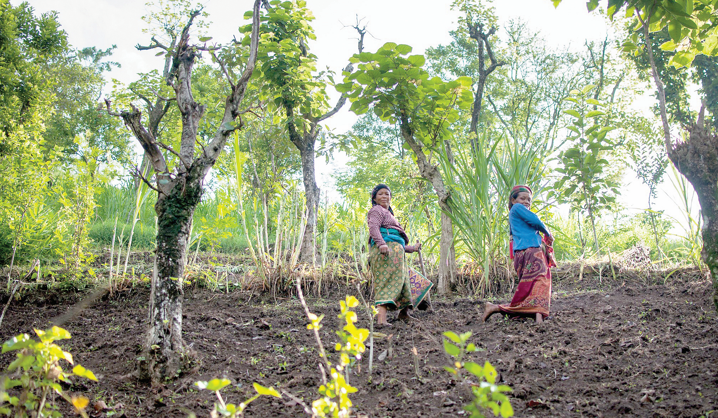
{"points": [[480, 180]]}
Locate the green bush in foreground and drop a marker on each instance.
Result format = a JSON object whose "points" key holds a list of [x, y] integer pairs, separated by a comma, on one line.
{"points": [[36, 372], [487, 395]]}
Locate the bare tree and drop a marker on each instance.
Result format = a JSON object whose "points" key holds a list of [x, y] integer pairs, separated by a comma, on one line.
{"points": [[179, 190]]}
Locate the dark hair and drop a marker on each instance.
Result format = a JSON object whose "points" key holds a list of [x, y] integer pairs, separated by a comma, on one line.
{"points": [[375, 190], [513, 196]]}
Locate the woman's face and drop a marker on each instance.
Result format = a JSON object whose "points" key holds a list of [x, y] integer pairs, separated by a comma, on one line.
{"points": [[383, 198], [524, 198]]}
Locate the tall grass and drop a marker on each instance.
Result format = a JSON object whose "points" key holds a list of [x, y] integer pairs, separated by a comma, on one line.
{"points": [[480, 180], [691, 238]]}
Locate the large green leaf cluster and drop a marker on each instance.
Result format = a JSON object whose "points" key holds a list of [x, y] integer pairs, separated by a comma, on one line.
{"points": [[585, 182], [285, 61], [27, 42], [397, 87], [692, 24]]}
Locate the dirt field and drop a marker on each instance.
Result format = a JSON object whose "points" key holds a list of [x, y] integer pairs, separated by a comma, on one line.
{"points": [[624, 348]]}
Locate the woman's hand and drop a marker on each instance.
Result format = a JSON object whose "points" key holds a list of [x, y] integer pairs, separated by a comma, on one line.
{"points": [[549, 239], [413, 248], [384, 249]]}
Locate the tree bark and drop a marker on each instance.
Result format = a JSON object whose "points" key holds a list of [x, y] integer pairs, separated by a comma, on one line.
{"points": [[697, 159], [308, 253], [476, 32], [430, 172], [179, 193], [165, 352]]}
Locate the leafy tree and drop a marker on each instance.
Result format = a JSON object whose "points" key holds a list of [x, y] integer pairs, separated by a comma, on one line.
{"points": [[395, 86], [693, 29], [288, 69], [27, 43], [179, 188], [584, 182], [649, 160]]}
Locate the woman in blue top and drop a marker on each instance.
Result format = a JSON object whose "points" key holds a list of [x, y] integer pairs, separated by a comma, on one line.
{"points": [[533, 295]]}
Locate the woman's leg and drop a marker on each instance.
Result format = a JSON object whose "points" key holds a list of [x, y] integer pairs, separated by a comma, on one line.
{"points": [[489, 310], [404, 315], [539, 318], [381, 316]]}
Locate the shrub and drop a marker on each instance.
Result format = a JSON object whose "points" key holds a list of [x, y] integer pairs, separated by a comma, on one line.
{"points": [[37, 372]]}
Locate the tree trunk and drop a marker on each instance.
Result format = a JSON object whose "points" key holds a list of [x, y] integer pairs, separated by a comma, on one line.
{"points": [[431, 173], [165, 351], [311, 193], [697, 159], [447, 252]]}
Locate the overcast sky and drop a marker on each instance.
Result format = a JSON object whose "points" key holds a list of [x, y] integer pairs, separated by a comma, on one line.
{"points": [[419, 23]]}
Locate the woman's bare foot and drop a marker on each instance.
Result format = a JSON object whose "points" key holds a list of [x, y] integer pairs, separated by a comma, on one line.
{"points": [[489, 310], [539, 318], [404, 315]]}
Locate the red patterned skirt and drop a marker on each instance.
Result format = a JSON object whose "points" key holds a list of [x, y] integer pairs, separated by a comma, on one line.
{"points": [[533, 294]]}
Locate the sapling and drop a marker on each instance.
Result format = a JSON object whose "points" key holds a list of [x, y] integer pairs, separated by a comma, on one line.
{"points": [[228, 409], [487, 395], [335, 392], [37, 372]]}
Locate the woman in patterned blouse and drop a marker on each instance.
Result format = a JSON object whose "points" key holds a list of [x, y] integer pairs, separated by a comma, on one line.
{"points": [[388, 244]]}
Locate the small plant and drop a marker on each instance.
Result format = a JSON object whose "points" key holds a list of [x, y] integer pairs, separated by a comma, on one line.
{"points": [[335, 400], [37, 373], [487, 395], [231, 410]]}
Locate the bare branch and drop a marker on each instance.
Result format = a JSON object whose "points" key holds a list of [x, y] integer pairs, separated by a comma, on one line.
{"points": [[496, 111], [141, 176], [154, 44], [226, 71], [133, 120], [171, 150], [108, 104]]}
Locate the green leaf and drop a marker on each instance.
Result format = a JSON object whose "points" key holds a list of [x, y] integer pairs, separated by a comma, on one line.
{"points": [[216, 384], [668, 46], [490, 373], [389, 46], [573, 113], [591, 5], [83, 372], [16, 343], [506, 410], [587, 88], [417, 60], [451, 349], [474, 368], [594, 113], [682, 59], [674, 29], [266, 391], [23, 362], [205, 38], [452, 336], [403, 49]]}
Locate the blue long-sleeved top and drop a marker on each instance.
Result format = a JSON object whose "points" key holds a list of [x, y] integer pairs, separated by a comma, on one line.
{"points": [[525, 227]]}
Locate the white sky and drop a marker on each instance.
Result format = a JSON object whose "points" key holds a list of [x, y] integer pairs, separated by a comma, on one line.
{"points": [[419, 23]]}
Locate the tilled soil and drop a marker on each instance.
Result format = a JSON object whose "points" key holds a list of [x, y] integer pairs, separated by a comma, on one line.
{"points": [[630, 349]]}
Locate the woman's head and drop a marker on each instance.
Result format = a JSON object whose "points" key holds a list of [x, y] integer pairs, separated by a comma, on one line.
{"points": [[381, 195], [522, 195]]}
